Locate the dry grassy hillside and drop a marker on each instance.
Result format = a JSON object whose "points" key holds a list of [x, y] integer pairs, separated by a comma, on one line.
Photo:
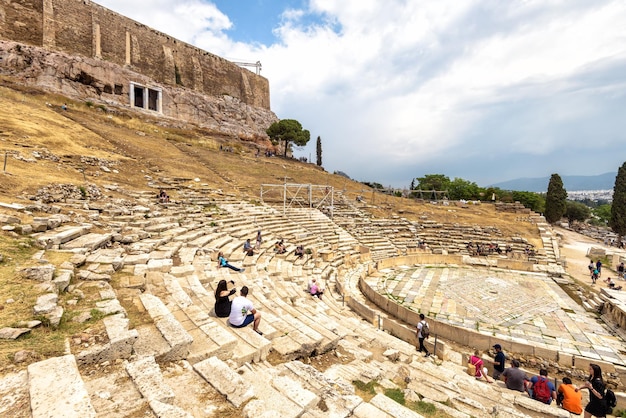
{"points": [[72, 144], [41, 144]]}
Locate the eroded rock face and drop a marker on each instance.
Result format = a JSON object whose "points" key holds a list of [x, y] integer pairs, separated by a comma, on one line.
{"points": [[96, 80]]}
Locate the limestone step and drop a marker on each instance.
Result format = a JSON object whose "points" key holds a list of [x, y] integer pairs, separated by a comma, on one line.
{"points": [[57, 390], [171, 330], [339, 397], [275, 396], [146, 375], [230, 384]]}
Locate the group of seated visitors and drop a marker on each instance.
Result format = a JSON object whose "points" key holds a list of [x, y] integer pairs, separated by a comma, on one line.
{"points": [[240, 311], [542, 389], [163, 197], [279, 247], [485, 249], [315, 289]]}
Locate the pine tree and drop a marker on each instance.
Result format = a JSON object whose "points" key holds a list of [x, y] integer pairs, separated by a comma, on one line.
{"points": [[618, 208], [556, 199], [319, 151]]}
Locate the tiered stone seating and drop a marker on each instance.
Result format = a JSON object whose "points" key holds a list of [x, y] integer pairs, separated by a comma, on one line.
{"points": [[178, 296]]}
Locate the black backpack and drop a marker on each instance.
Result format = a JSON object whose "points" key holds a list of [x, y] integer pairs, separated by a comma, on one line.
{"points": [[611, 401]]}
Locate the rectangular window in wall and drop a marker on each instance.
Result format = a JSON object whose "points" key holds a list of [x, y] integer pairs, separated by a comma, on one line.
{"points": [[138, 90], [145, 98], [153, 100]]}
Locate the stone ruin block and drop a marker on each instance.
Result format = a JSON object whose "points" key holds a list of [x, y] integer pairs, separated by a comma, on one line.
{"points": [[120, 345]]}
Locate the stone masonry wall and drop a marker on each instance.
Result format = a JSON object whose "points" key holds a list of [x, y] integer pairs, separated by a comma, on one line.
{"points": [[100, 81], [80, 27]]}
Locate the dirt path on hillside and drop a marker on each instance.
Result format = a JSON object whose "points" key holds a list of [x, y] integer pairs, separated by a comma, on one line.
{"points": [[574, 247]]}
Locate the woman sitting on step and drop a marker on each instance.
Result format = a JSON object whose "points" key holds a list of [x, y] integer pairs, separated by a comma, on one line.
{"points": [[223, 262], [222, 299]]}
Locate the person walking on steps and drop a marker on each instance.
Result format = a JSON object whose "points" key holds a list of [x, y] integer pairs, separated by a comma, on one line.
{"points": [[422, 332]]}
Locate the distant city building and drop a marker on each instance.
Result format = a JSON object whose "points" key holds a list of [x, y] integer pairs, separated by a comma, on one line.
{"points": [[591, 195]]}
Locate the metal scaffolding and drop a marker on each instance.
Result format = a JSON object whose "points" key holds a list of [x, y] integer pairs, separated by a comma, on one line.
{"points": [[313, 196]]}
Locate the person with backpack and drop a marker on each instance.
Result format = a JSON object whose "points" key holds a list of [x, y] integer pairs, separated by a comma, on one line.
{"points": [[597, 405], [478, 365], [422, 332], [541, 388]]}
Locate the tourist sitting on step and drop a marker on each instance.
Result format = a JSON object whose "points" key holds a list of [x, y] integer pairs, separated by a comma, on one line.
{"points": [[222, 298], [315, 289], [480, 371], [242, 312], [541, 389], [279, 247], [569, 397], [611, 283], [247, 247], [299, 252], [222, 262], [163, 197], [514, 378]]}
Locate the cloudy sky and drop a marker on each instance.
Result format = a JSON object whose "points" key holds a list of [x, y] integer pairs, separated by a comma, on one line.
{"points": [[483, 90]]}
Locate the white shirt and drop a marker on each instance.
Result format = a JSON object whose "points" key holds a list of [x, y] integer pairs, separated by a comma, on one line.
{"points": [[239, 310]]}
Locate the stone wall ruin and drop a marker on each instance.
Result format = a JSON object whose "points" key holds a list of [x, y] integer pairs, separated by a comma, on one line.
{"points": [[83, 50]]}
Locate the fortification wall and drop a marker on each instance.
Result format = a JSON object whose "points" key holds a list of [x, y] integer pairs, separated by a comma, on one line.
{"points": [[80, 27]]}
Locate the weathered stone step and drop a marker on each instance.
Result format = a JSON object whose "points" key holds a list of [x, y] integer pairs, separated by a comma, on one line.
{"points": [[61, 235], [225, 380], [57, 389], [338, 397], [270, 401], [173, 332], [90, 242], [146, 375]]}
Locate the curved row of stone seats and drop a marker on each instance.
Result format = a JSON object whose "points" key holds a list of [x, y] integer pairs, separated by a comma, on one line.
{"points": [[363, 330], [212, 333]]}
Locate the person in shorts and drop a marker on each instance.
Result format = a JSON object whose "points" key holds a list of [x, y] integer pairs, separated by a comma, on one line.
{"points": [[242, 312]]}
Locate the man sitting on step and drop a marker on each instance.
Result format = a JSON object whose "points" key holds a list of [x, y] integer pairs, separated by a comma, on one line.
{"points": [[242, 312]]}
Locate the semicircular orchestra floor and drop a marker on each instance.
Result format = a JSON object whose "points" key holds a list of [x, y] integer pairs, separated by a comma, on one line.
{"points": [[512, 305]]}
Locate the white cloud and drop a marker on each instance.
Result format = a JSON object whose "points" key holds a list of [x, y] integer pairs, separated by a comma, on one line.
{"points": [[402, 83]]}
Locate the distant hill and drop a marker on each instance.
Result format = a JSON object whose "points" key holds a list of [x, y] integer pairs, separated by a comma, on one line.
{"points": [[604, 181]]}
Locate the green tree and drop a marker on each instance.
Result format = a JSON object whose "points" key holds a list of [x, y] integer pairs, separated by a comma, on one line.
{"points": [[463, 189], [319, 151], [531, 200], [618, 208], [576, 211], [555, 199], [289, 131], [438, 182], [602, 214]]}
